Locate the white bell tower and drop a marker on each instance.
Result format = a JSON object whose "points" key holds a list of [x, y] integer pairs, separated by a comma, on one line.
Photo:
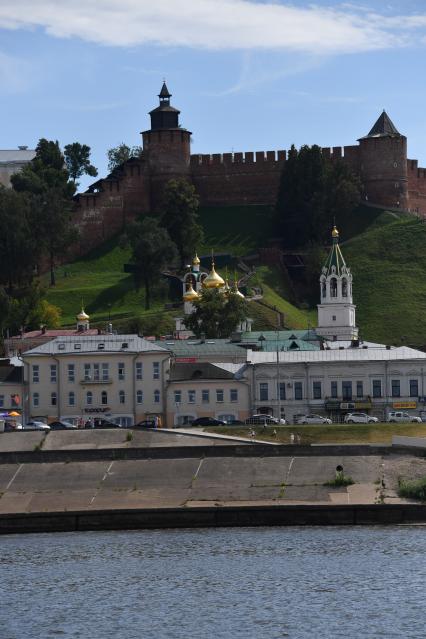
{"points": [[336, 313]]}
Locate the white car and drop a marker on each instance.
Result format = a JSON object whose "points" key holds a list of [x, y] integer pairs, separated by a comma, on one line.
{"points": [[398, 416], [360, 418], [264, 420], [313, 419], [36, 425]]}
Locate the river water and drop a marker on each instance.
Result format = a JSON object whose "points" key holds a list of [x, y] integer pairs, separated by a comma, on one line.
{"points": [[221, 583]]}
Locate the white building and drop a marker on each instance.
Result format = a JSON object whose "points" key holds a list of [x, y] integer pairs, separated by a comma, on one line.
{"points": [[74, 378], [12, 161]]}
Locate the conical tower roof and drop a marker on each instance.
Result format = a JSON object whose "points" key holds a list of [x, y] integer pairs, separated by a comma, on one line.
{"points": [[164, 93], [335, 257], [383, 127]]}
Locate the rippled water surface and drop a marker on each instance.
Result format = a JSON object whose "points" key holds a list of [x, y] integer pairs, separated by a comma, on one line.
{"points": [[264, 582]]}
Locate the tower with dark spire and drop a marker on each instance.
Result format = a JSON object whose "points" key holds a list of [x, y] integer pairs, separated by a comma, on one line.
{"points": [[166, 146], [336, 312], [383, 164]]}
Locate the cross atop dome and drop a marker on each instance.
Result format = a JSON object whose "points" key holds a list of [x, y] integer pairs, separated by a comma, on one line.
{"points": [[164, 94]]}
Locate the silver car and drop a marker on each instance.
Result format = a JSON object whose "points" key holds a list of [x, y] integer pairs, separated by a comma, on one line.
{"points": [[313, 419], [360, 418], [36, 425]]}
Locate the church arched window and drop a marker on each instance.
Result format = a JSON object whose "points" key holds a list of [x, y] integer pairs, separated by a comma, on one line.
{"points": [[344, 287], [333, 287], [323, 288]]}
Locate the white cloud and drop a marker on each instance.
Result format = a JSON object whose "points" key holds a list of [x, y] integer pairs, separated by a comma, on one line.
{"points": [[15, 74], [213, 24]]}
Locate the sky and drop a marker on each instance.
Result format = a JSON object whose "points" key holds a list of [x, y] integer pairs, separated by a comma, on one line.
{"points": [[247, 75]]}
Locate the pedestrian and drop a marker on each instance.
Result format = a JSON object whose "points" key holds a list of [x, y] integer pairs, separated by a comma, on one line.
{"points": [[291, 438], [298, 438], [274, 432]]}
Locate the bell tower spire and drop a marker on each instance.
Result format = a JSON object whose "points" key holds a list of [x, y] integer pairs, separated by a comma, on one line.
{"points": [[336, 312]]}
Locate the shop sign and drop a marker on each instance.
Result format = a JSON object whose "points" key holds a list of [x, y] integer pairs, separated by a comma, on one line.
{"points": [[186, 360], [104, 409], [404, 405]]}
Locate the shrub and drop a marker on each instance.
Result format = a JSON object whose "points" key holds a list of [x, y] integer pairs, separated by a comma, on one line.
{"points": [[413, 489], [340, 480]]}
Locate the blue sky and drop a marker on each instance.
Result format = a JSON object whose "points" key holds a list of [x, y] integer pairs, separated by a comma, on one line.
{"points": [[247, 75]]}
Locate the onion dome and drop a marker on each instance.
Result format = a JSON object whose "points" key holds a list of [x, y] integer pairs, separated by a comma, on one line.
{"points": [[190, 295], [196, 260], [82, 316], [236, 291], [213, 279]]}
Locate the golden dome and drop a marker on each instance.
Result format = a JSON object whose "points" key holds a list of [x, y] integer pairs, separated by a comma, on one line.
{"points": [[213, 279], [82, 316], [236, 291], [190, 295], [196, 260], [334, 232]]}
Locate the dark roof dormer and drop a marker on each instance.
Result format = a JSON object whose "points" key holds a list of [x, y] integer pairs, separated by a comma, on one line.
{"points": [[164, 116]]}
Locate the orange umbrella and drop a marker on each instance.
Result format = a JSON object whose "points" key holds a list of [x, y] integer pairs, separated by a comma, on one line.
{"points": [[13, 413]]}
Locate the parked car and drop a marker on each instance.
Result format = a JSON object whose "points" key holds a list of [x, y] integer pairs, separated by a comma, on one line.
{"points": [[145, 423], [208, 421], [360, 418], [36, 425], [11, 427], [102, 424], [263, 420], [400, 416], [62, 426], [313, 419], [234, 422]]}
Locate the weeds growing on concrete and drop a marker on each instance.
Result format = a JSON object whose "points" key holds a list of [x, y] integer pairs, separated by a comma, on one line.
{"points": [[129, 436], [340, 480], [413, 489]]}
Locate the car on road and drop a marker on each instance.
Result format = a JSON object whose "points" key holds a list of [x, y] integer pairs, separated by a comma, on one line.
{"points": [[399, 416], [208, 421], [360, 418], [264, 420], [36, 425], [60, 425], [234, 422], [313, 419], [145, 423]]}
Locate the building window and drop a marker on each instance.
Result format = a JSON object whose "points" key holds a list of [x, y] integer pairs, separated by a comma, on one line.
{"points": [[89, 398], [334, 390], [122, 397], [263, 391], [156, 397], [233, 394], [1, 401], [359, 389], [36, 373], [219, 395], [178, 397], [121, 374], [96, 372], [396, 388], [87, 373], [53, 399], [205, 396], [191, 397], [139, 397], [36, 399], [347, 391], [316, 390], [333, 287], [139, 371], [281, 390], [156, 370], [414, 387], [334, 318], [298, 390], [344, 287], [104, 398], [53, 374], [71, 398], [377, 387], [105, 372], [71, 373]]}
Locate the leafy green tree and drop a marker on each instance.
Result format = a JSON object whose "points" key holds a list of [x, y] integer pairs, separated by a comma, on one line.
{"points": [[180, 217], [313, 191], [216, 315], [121, 153], [77, 160], [152, 252]]}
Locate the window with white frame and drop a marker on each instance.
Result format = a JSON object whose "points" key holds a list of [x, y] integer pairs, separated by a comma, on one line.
{"points": [[104, 398], [233, 394], [178, 396], [36, 399], [36, 373], [71, 398], [263, 391], [205, 396], [121, 373], [191, 397], [53, 374], [156, 370], [139, 371], [219, 394], [87, 372], [316, 390], [122, 397], [105, 372], [53, 399], [139, 397], [71, 373], [89, 398], [156, 397], [96, 372]]}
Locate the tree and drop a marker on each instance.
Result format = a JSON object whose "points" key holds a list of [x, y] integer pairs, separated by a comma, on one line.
{"points": [[121, 153], [180, 217], [77, 160], [152, 251], [313, 190], [215, 314]]}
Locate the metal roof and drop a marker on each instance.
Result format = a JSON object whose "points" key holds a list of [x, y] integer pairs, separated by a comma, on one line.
{"points": [[16, 155], [198, 348], [96, 344], [343, 355], [383, 127]]}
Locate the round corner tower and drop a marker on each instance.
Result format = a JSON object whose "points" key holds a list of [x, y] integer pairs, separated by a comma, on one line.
{"points": [[166, 146], [383, 163]]}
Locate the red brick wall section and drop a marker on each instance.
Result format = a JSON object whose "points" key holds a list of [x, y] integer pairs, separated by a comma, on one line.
{"points": [[384, 171], [416, 188]]}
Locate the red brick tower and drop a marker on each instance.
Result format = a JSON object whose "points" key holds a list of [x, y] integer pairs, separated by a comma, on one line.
{"points": [[383, 164], [166, 147]]}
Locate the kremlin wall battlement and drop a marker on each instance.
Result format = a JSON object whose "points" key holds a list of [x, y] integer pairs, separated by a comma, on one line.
{"points": [[388, 178]]}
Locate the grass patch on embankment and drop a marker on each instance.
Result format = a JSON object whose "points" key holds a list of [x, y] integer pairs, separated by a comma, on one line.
{"points": [[327, 434], [412, 489]]}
